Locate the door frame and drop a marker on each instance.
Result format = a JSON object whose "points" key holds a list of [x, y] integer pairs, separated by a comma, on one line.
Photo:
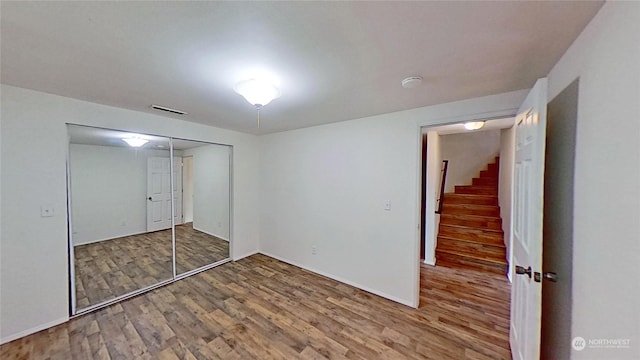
{"points": [[500, 108]]}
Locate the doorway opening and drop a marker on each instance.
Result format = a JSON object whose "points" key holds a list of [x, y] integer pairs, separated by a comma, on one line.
{"points": [[466, 195]]}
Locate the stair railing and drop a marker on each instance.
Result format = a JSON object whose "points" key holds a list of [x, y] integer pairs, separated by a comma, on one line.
{"points": [[443, 179]]}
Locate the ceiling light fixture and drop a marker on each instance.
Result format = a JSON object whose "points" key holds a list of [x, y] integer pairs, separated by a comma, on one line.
{"points": [[412, 82], [135, 141], [474, 125], [257, 92]]}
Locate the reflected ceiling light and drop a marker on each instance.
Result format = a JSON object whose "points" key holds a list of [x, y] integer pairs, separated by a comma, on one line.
{"points": [[474, 125], [135, 141]]}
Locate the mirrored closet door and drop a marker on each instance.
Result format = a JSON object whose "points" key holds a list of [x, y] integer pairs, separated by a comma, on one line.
{"points": [[144, 211], [202, 237]]}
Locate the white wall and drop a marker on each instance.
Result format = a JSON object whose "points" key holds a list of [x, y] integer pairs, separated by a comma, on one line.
{"points": [[34, 260], [326, 186], [211, 189], [187, 188], [468, 153], [109, 191], [434, 175], [505, 185], [606, 243]]}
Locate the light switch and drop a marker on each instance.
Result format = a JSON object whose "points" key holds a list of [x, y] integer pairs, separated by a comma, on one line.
{"points": [[387, 205], [46, 210]]}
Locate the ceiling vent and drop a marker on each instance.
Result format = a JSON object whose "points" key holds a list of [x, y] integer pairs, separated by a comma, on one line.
{"points": [[174, 111]]}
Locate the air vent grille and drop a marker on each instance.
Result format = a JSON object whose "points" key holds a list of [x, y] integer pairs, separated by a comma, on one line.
{"points": [[163, 108]]}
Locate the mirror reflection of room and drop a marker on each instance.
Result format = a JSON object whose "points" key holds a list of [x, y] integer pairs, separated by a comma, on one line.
{"points": [[121, 213], [121, 185], [202, 236]]}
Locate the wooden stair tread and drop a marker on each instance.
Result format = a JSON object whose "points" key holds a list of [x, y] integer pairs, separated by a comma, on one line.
{"points": [[476, 189], [474, 199], [474, 256], [495, 243], [474, 217], [471, 264], [482, 251], [474, 229]]}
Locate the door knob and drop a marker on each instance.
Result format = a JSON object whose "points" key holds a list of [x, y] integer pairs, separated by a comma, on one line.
{"points": [[551, 276], [149, 198], [522, 271]]}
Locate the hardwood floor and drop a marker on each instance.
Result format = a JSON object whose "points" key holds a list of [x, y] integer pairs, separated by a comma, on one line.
{"points": [[107, 269], [261, 308]]}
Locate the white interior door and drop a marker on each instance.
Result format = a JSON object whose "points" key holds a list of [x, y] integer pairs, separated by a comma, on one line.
{"points": [[158, 193], [526, 289]]}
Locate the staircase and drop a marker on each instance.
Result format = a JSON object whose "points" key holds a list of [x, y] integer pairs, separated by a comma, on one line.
{"points": [[470, 233]]}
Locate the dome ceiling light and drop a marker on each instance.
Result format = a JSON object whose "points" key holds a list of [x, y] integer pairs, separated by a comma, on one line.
{"points": [[135, 141], [257, 92], [412, 82], [474, 125]]}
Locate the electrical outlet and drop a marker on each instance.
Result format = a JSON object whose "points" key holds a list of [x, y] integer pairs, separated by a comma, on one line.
{"points": [[387, 205], [314, 250]]}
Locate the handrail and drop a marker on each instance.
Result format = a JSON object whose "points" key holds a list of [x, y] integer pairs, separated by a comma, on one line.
{"points": [[443, 179]]}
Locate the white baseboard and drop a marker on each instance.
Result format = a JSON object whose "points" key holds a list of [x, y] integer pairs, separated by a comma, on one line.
{"points": [[33, 330], [430, 262], [345, 281], [212, 234], [236, 258], [110, 238]]}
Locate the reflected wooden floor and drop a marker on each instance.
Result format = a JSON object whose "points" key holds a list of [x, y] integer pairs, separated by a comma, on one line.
{"points": [[107, 269], [260, 308]]}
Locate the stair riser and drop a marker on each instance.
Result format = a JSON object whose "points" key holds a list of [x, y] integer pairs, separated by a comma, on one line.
{"points": [[465, 189], [485, 181], [489, 174], [470, 210], [473, 235], [471, 200], [461, 261], [494, 224], [493, 168]]}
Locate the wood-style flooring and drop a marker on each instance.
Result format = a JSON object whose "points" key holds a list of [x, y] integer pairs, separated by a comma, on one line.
{"points": [[107, 269], [261, 308]]}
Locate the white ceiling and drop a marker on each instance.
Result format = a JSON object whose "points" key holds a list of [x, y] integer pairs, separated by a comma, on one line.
{"points": [[332, 61], [88, 135]]}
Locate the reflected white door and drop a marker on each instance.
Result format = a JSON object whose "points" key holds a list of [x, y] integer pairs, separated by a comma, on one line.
{"points": [[158, 193], [528, 184]]}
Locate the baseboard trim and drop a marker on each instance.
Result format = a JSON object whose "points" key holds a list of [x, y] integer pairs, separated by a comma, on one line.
{"points": [[236, 258], [110, 238], [212, 234], [33, 330], [345, 281]]}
